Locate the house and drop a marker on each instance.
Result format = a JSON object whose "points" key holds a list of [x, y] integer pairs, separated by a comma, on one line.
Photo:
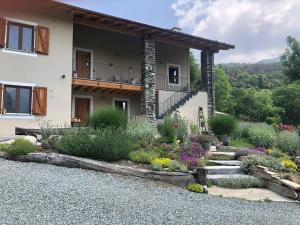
{"points": [[59, 63]]}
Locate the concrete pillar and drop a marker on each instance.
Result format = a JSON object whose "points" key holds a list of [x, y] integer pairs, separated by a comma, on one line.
{"points": [[148, 70], [208, 78]]}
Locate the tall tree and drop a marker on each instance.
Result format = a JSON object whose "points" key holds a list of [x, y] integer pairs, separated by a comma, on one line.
{"points": [[223, 87], [291, 59], [288, 98], [194, 71]]}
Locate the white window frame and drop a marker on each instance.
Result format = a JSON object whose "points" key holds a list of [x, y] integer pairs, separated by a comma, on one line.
{"points": [[85, 97], [179, 73], [18, 52], [17, 115], [124, 100], [75, 49]]}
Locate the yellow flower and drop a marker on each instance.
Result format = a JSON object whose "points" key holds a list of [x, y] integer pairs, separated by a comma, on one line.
{"points": [[269, 151], [290, 165], [194, 187], [164, 162]]}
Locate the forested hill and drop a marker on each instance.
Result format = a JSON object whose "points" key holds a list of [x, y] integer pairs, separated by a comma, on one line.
{"points": [[256, 75]]}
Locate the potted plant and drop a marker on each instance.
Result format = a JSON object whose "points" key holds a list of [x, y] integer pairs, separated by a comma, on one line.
{"points": [[223, 126], [206, 141]]}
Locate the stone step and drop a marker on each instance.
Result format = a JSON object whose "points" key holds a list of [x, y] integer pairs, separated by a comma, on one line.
{"points": [[223, 153], [223, 169], [227, 162], [215, 177]]}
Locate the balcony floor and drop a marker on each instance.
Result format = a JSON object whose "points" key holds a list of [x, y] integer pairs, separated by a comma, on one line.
{"points": [[106, 87]]}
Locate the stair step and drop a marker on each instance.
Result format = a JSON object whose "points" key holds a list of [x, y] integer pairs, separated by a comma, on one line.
{"points": [[223, 153], [223, 169], [227, 162], [215, 177]]}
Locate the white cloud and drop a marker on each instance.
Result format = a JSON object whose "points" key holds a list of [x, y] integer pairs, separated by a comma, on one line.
{"points": [[258, 28]]}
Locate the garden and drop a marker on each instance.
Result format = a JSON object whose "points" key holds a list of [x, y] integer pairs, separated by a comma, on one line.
{"points": [[174, 145]]}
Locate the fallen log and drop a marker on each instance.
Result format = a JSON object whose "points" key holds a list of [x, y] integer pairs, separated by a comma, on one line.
{"points": [[176, 178]]}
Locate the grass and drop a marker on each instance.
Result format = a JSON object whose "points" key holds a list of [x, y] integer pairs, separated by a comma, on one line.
{"points": [[240, 143]]}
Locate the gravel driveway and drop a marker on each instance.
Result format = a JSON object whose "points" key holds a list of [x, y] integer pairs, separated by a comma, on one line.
{"points": [[43, 194]]}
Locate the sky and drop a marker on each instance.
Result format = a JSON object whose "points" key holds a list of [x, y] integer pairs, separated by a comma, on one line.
{"points": [[258, 28]]}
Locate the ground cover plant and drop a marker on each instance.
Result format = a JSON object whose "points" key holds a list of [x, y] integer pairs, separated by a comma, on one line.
{"points": [[107, 144], [245, 182], [249, 151], [20, 147], [194, 187], [267, 161]]}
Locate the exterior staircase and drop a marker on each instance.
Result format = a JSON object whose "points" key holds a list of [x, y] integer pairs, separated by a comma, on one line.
{"points": [[225, 169], [172, 103]]}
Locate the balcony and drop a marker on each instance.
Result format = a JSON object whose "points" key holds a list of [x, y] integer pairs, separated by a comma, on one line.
{"points": [[113, 78], [106, 78]]}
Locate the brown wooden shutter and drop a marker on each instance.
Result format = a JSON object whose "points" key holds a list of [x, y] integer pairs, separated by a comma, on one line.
{"points": [[42, 40], [39, 107], [2, 32], [1, 98]]}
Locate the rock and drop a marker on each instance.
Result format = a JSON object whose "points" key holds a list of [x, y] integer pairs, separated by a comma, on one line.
{"points": [[32, 139], [227, 149], [282, 190], [213, 149], [290, 184], [176, 178], [205, 190], [8, 141]]}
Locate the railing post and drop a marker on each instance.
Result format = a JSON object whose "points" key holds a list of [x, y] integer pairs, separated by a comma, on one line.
{"points": [[208, 78], [148, 70]]}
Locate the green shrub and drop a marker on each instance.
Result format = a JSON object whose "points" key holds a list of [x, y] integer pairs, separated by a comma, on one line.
{"points": [[142, 130], [21, 147], [108, 144], [4, 147], [77, 143], [112, 145], [108, 118], [194, 187], [222, 124], [144, 157], [172, 128], [242, 129], [176, 165], [288, 141], [245, 182], [263, 135], [276, 153], [267, 161]]}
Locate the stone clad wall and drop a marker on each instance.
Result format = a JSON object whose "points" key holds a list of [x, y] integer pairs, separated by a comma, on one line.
{"points": [[208, 79], [148, 69]]}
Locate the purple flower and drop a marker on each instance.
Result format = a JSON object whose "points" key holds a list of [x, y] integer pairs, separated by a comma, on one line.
{"points": [[250, 151]]}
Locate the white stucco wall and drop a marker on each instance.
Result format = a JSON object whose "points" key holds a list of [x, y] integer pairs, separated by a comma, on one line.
{"points": [[190, 109], [42, 70]]}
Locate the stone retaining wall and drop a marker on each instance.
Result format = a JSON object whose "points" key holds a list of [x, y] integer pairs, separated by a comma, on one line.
{"points": [[273, 181]]}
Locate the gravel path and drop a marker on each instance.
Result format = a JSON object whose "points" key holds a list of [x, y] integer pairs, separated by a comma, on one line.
{"points": [[43, 194]]}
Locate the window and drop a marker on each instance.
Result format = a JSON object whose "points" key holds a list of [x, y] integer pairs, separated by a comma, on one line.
{"points": [[173, 74], [20, 37], [17, 99], [122, 105]]}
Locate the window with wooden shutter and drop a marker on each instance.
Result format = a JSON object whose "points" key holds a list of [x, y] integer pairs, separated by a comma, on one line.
{"points": [[1, 98], [42, 40], [39, 107], [2, 32]]}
